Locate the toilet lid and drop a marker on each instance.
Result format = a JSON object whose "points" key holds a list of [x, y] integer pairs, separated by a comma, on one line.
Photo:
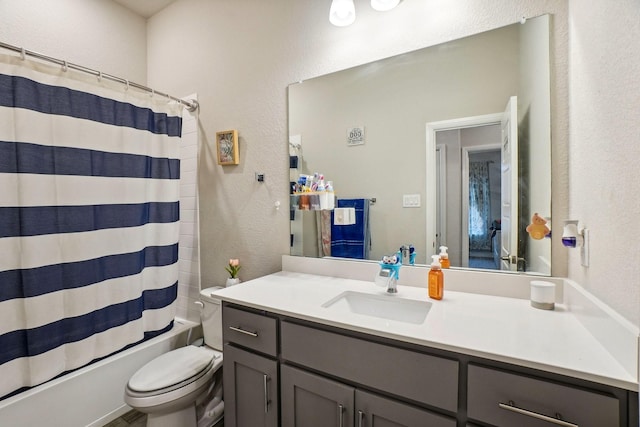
{"points": [[172, 368]]}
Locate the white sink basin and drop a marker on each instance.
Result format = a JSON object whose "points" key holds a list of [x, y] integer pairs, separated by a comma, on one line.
{"points": [[389, 307]]}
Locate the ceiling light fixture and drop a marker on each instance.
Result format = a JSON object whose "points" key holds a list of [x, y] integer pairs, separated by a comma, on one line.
{"points": [[342, 13], [384, 5]]}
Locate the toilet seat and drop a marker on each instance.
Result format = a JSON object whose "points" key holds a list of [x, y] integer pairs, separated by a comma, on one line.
{"points": [[172, 375], [171, 369]]}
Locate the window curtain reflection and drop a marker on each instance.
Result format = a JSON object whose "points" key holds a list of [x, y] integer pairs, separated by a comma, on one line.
{"points": [[479, 206]]}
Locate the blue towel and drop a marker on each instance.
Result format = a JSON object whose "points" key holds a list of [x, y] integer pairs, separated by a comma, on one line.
{"points": [[352, 241]]}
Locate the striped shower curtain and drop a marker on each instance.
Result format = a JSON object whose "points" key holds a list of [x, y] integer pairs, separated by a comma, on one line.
{"points": [[89, 220]]}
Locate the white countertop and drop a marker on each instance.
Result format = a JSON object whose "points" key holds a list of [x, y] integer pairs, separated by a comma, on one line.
{"points": [[498, 328]]}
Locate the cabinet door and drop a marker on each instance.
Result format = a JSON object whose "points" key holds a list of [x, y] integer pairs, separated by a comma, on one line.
{"points": [[250, 389], [309, 400], [376, 411]]}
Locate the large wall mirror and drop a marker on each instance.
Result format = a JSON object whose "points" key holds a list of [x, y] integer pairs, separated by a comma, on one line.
{"points": [[444, 146]]}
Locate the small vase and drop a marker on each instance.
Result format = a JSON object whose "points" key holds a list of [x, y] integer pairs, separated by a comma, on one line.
{"points": [[232, 281]]}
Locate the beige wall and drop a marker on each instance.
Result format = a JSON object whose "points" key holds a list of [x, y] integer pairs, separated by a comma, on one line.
{"points": [[100, 35], [604, 146], [248, 51]]}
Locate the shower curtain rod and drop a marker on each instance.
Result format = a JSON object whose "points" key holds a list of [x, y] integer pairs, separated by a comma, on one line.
{"points": [[191, 105]]}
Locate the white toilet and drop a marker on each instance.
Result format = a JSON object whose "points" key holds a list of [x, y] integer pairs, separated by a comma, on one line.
{"points": [[184, 386]]}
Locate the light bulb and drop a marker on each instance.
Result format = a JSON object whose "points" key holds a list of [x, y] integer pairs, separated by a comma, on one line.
{"points": [[342, 13], [384, 5]]}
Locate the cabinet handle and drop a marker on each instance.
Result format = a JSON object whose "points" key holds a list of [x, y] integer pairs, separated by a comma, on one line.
{"points": [[360, 419], [242, 331], [557, 421], [265, 378], [340, 417]]}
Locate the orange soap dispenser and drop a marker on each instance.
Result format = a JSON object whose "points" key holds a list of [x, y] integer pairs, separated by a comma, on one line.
{"points": [[436, 279], [444, 257]]}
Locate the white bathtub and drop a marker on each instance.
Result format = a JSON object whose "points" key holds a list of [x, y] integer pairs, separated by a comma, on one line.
{"points": [[91, 396]]}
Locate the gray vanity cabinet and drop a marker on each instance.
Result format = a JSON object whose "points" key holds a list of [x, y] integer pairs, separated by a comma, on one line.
{"points": [[313, 401], [250, 389], [250, 372], [372, 410], [310, 400], [408, 374], [284, 371]]}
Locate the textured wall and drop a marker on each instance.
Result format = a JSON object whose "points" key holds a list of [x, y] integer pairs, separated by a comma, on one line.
{"points": [[248, 52], [605, 148], [97, 34]]}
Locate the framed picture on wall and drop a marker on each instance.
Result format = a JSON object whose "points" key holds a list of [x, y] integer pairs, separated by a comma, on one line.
{"points": [[227, 144]]}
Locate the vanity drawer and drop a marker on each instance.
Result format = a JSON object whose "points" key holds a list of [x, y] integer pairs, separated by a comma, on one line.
{"points": [[420, 377], [506, 399], [250, 330]]}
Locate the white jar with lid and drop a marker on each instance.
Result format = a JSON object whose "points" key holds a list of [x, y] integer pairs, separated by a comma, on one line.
{"points": [[543, 294]]}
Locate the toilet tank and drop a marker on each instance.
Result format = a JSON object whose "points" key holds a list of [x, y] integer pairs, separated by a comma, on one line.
{"points": [[211, 317]]}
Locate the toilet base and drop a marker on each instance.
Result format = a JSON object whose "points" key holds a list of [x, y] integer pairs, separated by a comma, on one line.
{"points": [[185, 417]]}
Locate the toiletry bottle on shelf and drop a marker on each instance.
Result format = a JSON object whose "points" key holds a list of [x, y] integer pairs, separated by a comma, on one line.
{"points": [[436, 279], [444, 257]]}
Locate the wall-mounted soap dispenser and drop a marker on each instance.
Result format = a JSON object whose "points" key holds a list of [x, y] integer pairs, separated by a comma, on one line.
{"points": [[572, 237]]}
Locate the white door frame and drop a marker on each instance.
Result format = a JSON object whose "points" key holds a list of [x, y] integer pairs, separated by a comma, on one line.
{"points": [[431, 190], [441, 226], [509, 259], [465, 194]]}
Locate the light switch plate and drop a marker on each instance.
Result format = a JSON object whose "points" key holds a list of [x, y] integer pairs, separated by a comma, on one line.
{"points": [[410, 200]]}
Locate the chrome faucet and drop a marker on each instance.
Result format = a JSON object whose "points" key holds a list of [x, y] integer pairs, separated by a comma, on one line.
{"points": [[387, 278]]}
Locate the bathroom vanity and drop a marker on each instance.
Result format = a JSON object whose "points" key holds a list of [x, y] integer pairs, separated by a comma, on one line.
{"points": [[293, 358]]}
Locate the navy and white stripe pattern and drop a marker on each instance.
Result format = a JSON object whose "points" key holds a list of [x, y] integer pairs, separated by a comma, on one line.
{"points": [[89, 221]]}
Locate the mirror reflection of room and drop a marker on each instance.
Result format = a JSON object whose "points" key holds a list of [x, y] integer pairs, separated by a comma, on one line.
{"points": [[479, 191], [402, 105]]}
